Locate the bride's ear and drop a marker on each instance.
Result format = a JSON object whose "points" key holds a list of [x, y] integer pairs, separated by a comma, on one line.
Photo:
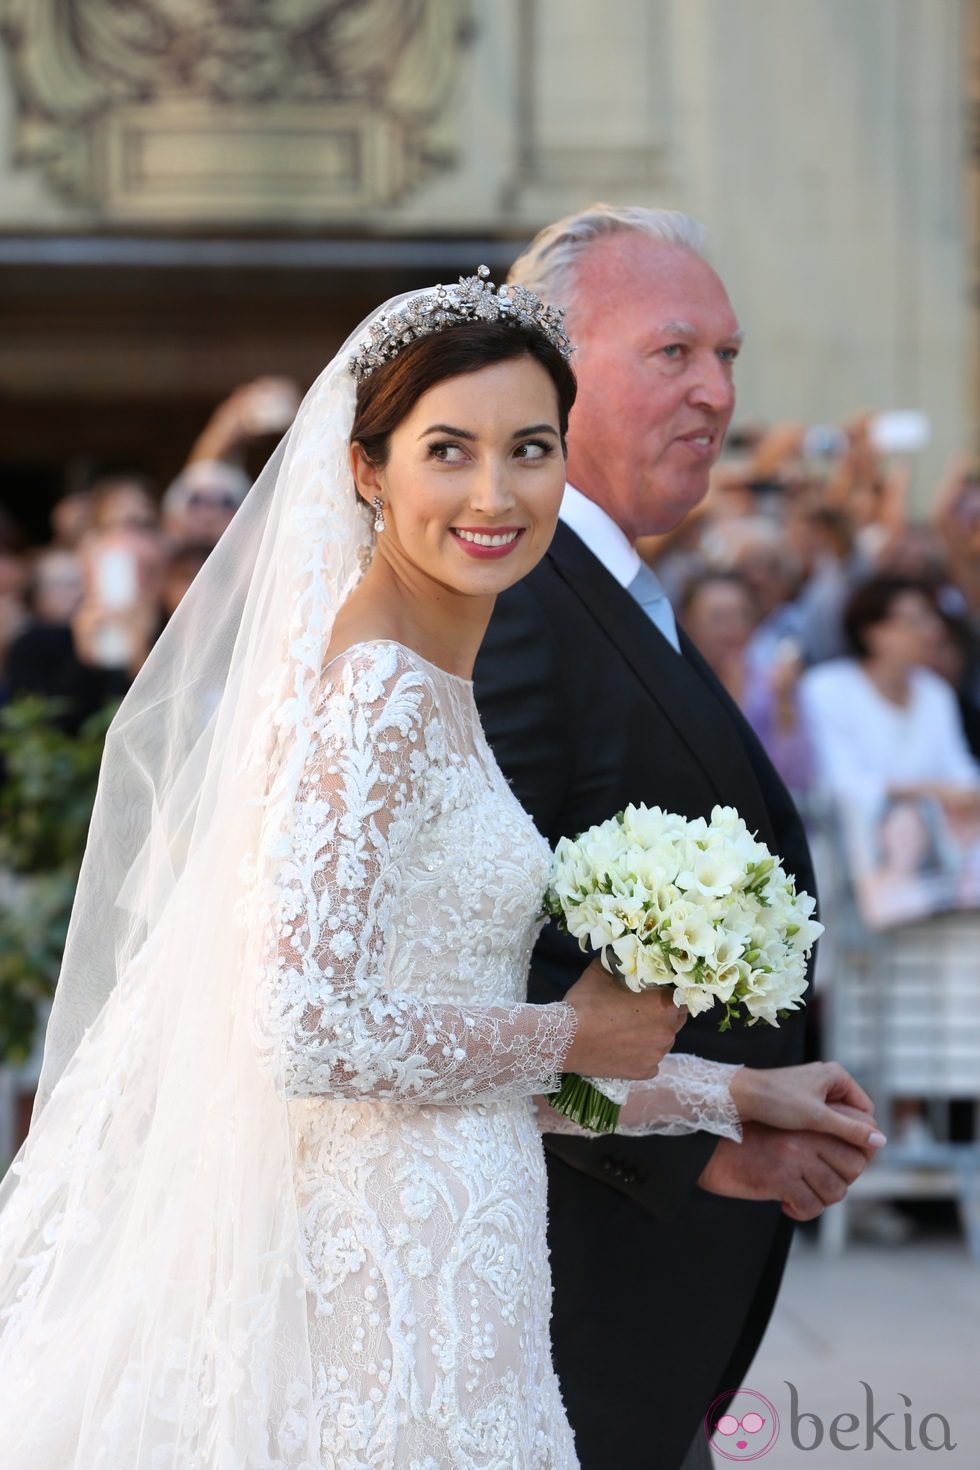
{"points": [[367, 475]]}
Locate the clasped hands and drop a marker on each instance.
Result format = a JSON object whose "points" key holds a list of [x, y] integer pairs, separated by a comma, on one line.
{"points": [[807, 1133]]}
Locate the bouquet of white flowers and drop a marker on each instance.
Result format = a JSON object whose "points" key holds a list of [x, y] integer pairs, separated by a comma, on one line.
{"points": [[699, 905]]}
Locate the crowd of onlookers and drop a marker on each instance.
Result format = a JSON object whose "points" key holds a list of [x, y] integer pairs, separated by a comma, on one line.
{"points": [[79, 614], [845, 624]]}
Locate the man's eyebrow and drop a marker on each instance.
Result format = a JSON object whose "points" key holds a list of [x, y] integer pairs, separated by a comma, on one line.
{"points": [[677, 329], [685, 329]]}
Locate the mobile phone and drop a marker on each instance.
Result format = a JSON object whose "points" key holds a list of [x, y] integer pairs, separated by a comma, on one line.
{"points": [[273, 408], [113, 645], [899, 431], [116, 578]]}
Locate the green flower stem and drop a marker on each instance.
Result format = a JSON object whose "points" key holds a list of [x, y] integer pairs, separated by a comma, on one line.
{"points": [[585, 1105]]}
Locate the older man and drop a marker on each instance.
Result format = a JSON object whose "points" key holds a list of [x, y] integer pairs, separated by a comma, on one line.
{"points": [[667, 1253]]}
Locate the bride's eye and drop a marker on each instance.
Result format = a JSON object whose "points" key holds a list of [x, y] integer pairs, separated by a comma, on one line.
{"points": [[534, 449], [446, 452]]}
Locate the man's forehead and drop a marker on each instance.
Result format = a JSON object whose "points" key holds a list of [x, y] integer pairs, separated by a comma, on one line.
{"points": [[661, 281]]}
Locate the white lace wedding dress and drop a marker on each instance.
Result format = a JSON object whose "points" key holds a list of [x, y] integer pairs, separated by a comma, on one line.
{"points": [[411, 885]]}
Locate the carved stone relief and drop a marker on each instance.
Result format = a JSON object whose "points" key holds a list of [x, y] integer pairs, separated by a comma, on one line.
{"points": [[608, 134], [265, 111]]}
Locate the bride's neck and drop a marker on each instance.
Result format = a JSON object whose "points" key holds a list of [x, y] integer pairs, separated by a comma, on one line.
{"points": [[405, 605]]}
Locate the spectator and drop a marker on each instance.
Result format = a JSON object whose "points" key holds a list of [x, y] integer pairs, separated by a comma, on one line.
{"points": [[14, 616], [953, 655], [70, 519], [915, 552], [881, 721], [760, 551], [252, 411], [957, 520], [57, 587], [890, 745], [124, 499], [718, 612], [824, 542], [199, 504], [183, 566], [872, 497], [91, 656]]}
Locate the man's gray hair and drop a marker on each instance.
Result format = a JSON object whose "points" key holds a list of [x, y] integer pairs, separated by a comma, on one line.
{"points": [[549, 266]]}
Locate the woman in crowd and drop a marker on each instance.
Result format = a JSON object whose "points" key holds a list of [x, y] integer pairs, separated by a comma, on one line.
{"points": [[882, 723], [718, 611]]}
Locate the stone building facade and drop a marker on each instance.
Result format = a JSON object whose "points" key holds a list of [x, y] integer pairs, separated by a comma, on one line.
{"points": [[194, 191]]}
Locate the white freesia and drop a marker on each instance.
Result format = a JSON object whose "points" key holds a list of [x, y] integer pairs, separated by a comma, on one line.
{"points": [[697, 904]]}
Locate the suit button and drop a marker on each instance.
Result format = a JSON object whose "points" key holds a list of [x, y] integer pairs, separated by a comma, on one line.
{"points": [[619, 1171]]}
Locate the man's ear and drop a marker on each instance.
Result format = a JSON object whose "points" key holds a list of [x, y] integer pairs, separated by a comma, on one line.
{"points": [[367, 475]]}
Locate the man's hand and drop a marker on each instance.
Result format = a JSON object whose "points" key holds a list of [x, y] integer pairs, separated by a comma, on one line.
{"points": [[805, 1171]]}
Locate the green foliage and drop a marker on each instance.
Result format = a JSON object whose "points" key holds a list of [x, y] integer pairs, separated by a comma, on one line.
{"points": [[45, 804]]}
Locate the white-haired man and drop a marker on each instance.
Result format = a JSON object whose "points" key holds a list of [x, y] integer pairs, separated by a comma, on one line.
{"points": [[592, 699]]}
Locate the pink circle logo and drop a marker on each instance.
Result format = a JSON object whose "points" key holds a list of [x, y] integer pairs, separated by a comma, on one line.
{"points": [[747, 1427]]}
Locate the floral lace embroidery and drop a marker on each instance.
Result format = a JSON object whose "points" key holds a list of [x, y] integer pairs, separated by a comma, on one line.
{"points": [[408, 900], [688, 1094]]}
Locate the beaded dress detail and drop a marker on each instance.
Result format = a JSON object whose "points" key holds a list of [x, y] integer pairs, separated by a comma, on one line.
{"points": [[409, 894]]}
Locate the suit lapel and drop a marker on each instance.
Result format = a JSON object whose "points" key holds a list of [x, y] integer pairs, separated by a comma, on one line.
{"points": [[683, 696]]}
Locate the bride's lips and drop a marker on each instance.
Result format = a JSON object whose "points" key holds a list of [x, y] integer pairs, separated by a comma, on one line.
{"points": [[501, 539]]}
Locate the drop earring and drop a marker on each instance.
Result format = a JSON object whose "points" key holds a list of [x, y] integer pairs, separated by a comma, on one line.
{"points": [[379, 513]]}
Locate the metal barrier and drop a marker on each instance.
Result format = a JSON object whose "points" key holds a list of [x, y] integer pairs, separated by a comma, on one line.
{"points": [[901, 1012]]}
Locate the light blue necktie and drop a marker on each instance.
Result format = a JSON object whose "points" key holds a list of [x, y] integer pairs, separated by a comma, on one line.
{"points": [[647, 588]]}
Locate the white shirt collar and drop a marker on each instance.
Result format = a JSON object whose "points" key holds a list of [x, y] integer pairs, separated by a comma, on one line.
{"points": [[602, 536]]}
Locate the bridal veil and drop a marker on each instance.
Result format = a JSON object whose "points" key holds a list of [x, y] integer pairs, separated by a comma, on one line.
{"points": [[152, 1308]]}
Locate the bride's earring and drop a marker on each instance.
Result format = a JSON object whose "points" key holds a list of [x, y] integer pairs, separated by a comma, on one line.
{"points": [[379, 513]]}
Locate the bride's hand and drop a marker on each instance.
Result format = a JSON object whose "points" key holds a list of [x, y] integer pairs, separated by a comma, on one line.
{"points": [[820, 1097], [619, 1033]]}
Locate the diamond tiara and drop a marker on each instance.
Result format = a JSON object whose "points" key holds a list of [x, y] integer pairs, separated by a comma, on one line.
{"points": [[474, 299]]}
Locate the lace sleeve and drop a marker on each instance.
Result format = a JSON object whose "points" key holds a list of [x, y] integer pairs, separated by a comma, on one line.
{"points": [[688, 1094], [363, 801]]}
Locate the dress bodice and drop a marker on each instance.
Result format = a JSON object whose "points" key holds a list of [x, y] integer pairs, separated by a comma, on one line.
{"points": [[467, 909], [409, 887]]}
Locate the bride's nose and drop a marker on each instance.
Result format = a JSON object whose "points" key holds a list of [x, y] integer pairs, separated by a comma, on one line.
{"points": [[490, 489]]}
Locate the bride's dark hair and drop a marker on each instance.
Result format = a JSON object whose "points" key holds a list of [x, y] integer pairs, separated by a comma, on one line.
{"points": [[392, 391]]}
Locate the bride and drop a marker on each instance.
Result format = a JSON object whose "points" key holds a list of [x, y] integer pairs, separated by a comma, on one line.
{"points": [[282, 1204]]}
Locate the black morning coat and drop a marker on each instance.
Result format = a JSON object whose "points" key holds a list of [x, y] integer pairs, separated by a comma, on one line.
{"points": [[662, 1291]]}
